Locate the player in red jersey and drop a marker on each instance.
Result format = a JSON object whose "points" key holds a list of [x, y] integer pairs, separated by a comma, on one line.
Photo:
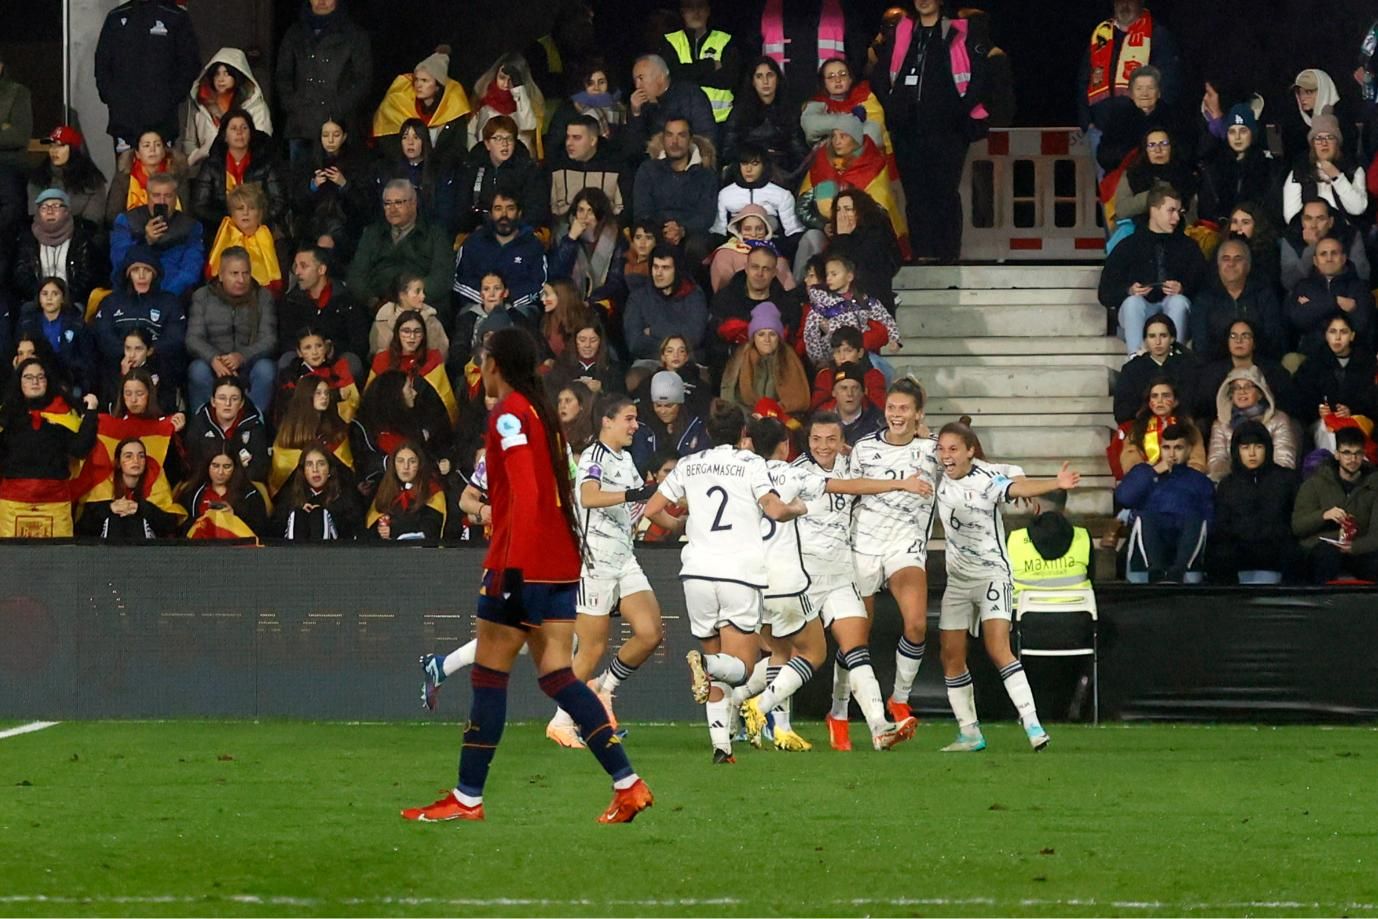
{"points": [[530, 580]]}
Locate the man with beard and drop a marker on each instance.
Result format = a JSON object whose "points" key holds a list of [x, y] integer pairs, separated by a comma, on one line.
{"points": [[506, 245]]}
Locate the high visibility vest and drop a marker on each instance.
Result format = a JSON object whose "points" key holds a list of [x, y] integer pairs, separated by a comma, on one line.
{"points": [[711, 50], [1032, 570]]}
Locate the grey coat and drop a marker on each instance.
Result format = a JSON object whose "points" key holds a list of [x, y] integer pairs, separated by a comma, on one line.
{"points": [[215, 327]]}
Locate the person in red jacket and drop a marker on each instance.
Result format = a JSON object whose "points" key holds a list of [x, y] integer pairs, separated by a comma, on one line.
{"points": [[530, 578], [848, 348]]}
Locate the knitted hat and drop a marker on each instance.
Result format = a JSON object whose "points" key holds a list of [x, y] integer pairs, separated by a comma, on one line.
{"points": [[666, 386], [52, 194], [437, 66], [849, 371], [852, 125], [1243, 114], [66, 135], [1325, 124], [766, 316]]}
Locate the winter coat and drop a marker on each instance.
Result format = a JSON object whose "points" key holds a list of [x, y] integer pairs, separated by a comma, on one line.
{"points": [[1146, 257], [875, 251], [181, 248], [85, 203], [1280, 426], [1135, 376], [778, 203], [44, 452], [1253, 508], [380, 331], [208, 188], [828, 312], [575, 260], [248, 442], [1347, 193], [325, 65], [145, 58], [201, 126], [568, 368], [324, 208], [216, 326], [651, 316], [519, 175], [1321, 379], [1214, 310], [651, 436], [16, 116], [84, 265], [1320, 493], [1178, 494], [341, 318], [970, 115], [603, 171], [76, 351], [774, 128], [1307, 320], [689, 197], [340, 519], [729, 315], [698, 395], [1228, 181], [682, 100], [1296, 260], [730, 258], [117, 199], [1280, 383], [158, 311], [521, 260], [378, 261]]}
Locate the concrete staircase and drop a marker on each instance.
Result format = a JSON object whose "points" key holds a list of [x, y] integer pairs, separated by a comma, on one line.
{"points": [[1022, 350]]}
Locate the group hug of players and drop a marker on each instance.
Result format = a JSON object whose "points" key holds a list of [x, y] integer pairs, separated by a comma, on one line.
{"points": [[776, 551]]}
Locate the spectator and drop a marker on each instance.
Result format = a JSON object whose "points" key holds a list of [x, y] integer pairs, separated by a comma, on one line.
{"points": [[1128, 120], [707, 58], [580, 163], [397, 408], [563, 313], [1154, 270], [505, 244], [859, 417], [311, 419], [1235, 293], [240, 155], [145, 56], [678, 187], [40, 434], [847, 348], [1316, 95], [69, 167], [764, 367], [58, 246], [410, 352], [753, 185], [1051, 554], [1326, 173], [730, 311], [409, 505], [843, 303], [317, 504], [1252, 530], [1245, 397], [494, 297], [221, 502], [841, 94], [674, 357], [140, 507], [316, 360], [1251, 223], [1332, 287], [1162, 357], [592, 251], [861, 231], [330, 191], [410, 296], [232, 332], [764, 117], [1112, 60], [934, 106], [244, 228], [1335, 384], [139, 354], [53, 316], [1173, 506], [801, 36], [506, 88], [597, 98], [160, 225], [325, 66], [226, 85], [427, 93], [16, 121], [749, 229], [401, 243], [657, 101], [1334, 516], [1246, 171], [669, 305], [669, 424], [1240, 345], [138, 300], [229, 425], [636, 269], [1155, 162], [588, 362], [503, 164], [1298, 250], [135, 168], [1140, 440], [574, 410], [319, 300], [848, 160], [437, 188]]}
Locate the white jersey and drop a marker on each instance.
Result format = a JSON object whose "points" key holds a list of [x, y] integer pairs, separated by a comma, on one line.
{"points": [[975, 531], [607, 530], [897, 519], [723, 487], [784, 557], [825, 532]]}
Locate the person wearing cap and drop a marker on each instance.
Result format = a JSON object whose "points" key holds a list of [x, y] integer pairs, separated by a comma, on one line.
{"points": [[69, 167], [1325, 172], [1313, 93], [58, 246], [1245, 171], [174, 234], [139, 300], [859, 417], [848, 159], [427, 93], [324, 68], [729, 312], [668, 423], [146, 57], [669, 305], [765, 367]]}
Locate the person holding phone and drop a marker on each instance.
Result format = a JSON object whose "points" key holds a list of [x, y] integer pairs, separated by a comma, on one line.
{"points": [[161, 224]]}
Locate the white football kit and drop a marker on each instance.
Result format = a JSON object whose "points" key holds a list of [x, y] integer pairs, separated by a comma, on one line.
{"points": [[978, 571], [890, 531], [825, 536], [787, 605], [610, 570]]}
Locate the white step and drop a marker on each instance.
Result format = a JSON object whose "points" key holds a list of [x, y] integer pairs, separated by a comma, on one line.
{"points": [[1006, 276], [1035, 345], [1047, 383], [947, 408], [1084, 319], [980, 423], [918, 357], [1045, 296], [1051, 442]]}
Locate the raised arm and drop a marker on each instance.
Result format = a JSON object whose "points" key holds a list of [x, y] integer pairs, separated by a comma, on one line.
{"points": [[1067, 479]]}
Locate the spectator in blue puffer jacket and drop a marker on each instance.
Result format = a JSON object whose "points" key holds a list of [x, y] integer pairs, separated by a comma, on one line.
{"points": [[1173, 506]]}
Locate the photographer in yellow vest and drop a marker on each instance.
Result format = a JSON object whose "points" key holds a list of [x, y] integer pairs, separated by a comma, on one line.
{"points": [[1050, 554]]}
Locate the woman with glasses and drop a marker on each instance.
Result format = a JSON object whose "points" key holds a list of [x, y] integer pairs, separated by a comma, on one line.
{"points": [[1326, 172]]}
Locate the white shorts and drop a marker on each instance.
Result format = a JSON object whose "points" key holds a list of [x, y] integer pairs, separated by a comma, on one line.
{"points": [[787, 616], [967, 603], [836, 601], [873, 571], [714, 604], [597, 596]]}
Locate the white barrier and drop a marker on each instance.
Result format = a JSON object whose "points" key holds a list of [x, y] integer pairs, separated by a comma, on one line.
{"points": [[1029, 194]]}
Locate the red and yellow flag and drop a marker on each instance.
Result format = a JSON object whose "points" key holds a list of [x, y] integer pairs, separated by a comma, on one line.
{"points": [[95, 480]]}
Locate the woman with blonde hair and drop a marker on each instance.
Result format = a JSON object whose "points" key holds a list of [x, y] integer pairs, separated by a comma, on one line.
{"points": [[764, 367]]}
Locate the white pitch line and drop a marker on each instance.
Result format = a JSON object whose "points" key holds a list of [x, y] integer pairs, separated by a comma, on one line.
{"points": [[27, 728]]}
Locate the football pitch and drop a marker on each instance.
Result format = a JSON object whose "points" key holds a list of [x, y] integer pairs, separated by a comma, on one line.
{"points": [[292, 818]]}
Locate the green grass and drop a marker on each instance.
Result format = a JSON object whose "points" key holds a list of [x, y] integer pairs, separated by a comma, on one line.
{"points": [[280, 818]]}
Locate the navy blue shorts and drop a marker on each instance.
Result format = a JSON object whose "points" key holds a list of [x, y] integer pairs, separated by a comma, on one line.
{"points": [[531, 607]]}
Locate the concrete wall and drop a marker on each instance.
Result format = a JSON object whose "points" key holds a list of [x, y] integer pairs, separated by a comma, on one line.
{"points": [[86, 18]]}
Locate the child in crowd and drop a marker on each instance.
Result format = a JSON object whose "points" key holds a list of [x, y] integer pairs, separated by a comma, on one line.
{"points": [[409, 295], [752, 185], [316, 358], [838, 303], [847, 346]]}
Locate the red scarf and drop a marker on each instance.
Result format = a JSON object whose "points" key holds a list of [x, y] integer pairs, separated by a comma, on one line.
{"points": [[427, 114], [139, 175], [407, 497], [235, 171], [324, 300], [856, 99], [499, 100], [1134, 53], [228, 433]]}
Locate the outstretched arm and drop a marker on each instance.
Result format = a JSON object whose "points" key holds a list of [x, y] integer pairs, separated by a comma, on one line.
{"points": [[914, 484], [1066, 480], [781, 512]]}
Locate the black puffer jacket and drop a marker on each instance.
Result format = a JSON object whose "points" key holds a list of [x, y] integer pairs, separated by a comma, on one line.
{"points": [[1253, 508], [519, 175], [208, 188], [1322, 380], [87, 264]]}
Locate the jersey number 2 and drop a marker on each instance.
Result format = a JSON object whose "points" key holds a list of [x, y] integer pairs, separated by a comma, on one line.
{"points": [[718, 525]]}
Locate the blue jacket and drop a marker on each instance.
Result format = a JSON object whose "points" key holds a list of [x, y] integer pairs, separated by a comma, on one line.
{"points": [[651, 436], [690, 197], [76, 346], [521, 261], [1179, 493], [181, 249], [684, 312], [158, 311]]}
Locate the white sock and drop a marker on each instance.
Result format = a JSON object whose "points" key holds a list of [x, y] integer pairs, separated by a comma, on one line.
{"points": [[561, 719], [908, 657], [725, 668], [718, 731], [626, 781], [781, 715], [1017, 686], [962, 696], [842, 688], [787, 682], [755, 684], [866, 690], [468, 800], [460, 657]]}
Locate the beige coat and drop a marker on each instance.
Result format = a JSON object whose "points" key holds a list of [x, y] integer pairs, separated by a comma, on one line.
{"points": [[1279, 424]]}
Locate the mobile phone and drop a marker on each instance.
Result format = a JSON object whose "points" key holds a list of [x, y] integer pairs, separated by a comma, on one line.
{"points": [[161, 210]]}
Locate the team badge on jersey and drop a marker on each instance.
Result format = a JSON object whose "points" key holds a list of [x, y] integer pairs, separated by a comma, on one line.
{"points": [[510, 430]]}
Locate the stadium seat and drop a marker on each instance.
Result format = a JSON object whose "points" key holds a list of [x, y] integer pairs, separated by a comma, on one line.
{"points": [[1063, 601]]}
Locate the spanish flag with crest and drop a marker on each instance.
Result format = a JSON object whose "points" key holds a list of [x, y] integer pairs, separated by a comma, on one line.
{"points": [[40, 508], [432, 370], [96, 480]]}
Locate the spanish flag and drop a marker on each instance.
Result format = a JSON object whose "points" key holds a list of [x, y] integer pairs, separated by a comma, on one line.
{"points": [[868, 171], [95, 481], [285, 461], [263, 257], [220, 523], [400, 104], [432, 370]]}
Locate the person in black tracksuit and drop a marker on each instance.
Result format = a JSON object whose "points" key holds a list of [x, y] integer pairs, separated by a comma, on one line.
{"points": [[318, 503], [1253, 512]]}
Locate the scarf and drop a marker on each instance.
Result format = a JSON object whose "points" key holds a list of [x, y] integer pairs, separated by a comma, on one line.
{"points": [[750, 377], [498, 99], [234, 172], [137, 196], [1134, 53], [263, 258], [853, 104], [1253, 413], [831, 33], [54, 235], [591, 263], [57, 412], [216, 104]]}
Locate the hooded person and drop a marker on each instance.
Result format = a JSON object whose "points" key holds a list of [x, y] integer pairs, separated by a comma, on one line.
{"points": [[1245, 397], [1314, 93], [749, 228], [506, 88], [226, 83], [849, 159], [1253, 510], [139, 301], [765, 367], [427, 93]]}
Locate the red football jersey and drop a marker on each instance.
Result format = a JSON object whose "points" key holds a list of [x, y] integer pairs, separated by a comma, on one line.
{"points": [[529, 530]]}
